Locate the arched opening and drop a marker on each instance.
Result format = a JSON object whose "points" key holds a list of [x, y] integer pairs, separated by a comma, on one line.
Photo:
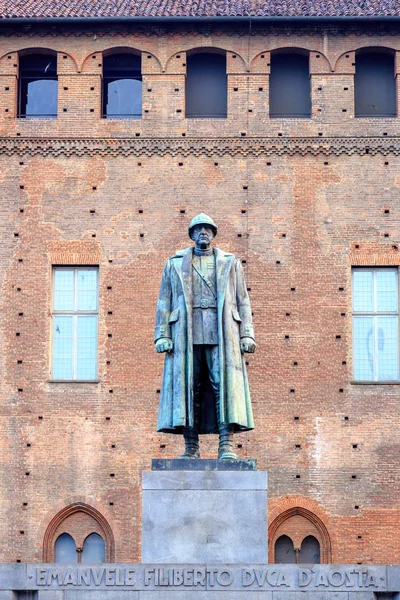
{"points": [[206, 85], [307, 533], [65, 549], [289, 85], [374, 84], [92, 537], [37, 86], [122, 86], [93, 549], [284, 551], [310, 551]]}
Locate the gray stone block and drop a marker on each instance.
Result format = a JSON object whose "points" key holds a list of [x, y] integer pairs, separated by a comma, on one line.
{"points": [[51, 595], [204, 480], [310, 595], [393, 578], [100, 595], [13, 576], [7, 595], [181, 595], [200, 516]]}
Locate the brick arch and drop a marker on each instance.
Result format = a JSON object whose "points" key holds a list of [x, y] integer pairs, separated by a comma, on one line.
{"points": [[341, 60], [53, 530], [319, 525], [199, 49]]}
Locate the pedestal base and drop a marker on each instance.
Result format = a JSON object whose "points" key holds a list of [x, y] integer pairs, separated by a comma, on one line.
{"points": [[205, 516]]}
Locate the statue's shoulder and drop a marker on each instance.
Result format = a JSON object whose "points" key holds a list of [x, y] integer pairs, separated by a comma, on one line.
{"points": [[180, 253], [224, 254]]}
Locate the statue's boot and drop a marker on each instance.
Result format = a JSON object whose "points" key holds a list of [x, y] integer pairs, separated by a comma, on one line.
{"points": [[225, 448], [192, 449]]}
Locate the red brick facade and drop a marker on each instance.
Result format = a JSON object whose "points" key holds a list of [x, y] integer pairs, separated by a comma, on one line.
{"points": [[299, 201]]}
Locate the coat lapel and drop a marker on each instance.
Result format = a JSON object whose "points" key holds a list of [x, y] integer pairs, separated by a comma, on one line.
{"points": [[224, 261]]}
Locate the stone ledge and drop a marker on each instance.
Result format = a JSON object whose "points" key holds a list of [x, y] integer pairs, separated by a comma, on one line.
{"points": [[208, 464]]}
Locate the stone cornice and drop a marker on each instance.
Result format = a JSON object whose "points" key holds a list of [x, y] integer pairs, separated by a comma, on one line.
{"points": [[229, 146]]}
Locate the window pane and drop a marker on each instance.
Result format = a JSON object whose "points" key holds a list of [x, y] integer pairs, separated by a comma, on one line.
{"points": [[387, 290], [374, 85], [42, 95], [124, 98], [289, 92], [388, 343], [87, 289], [284, 550], [65, 549], [363, 341], [310, 551], [62, 347], [63, 289], [363, 291], [93, 549], [87, 348], [206, 85]]}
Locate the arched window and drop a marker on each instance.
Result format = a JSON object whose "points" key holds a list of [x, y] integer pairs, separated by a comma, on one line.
{"points": [[79, 533], [65, 549], [93, 549], [284, 551], [309, 551], [38, 86], [122, 86], [206, 85], [374, 84], [289, 85]]}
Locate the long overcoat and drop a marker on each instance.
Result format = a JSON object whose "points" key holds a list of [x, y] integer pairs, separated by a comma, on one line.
{"points": [[174, 320]]}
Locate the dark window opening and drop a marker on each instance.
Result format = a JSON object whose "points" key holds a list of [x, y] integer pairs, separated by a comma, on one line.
{"points": [[310, 551], [38, 86], [122, 86], [289, 86], [374, 85], [206, 86], [284, 551]]}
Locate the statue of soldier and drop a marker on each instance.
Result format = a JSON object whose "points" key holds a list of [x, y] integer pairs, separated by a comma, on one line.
{"points": [[204, 325]]}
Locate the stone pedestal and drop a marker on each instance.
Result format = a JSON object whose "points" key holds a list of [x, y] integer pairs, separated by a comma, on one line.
{"points": [[204, 511]]}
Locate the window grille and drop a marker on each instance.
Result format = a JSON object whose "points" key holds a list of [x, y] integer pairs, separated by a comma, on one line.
{"points": [[206, 85], [289, 86], [122, 86], [374, 85], [75, 321], [375, 324], [37, 86]]}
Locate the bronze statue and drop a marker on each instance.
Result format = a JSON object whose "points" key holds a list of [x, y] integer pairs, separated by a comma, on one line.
{"points": [[204, 325]]}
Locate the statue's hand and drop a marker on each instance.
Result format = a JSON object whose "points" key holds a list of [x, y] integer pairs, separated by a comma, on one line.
{"points": [[164, 345], [247, 344]]}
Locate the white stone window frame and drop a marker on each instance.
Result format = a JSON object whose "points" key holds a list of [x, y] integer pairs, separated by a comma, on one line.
{"points": [[75, 313], [375, 314]]}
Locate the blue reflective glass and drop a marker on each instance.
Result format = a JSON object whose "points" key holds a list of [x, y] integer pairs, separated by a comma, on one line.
{"points": [[42, 98], [124, 98], [363, 340], [62, 347], [93, 549], [386, 290], [87, 289], [87, 347], [363, 291], [388, 348], [63, 289], [65, 549]]}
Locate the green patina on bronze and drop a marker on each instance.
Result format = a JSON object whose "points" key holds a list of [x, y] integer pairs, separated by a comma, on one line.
{"points": [[225, 395]]}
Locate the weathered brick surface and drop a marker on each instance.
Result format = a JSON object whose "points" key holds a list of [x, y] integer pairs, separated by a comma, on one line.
{"points": [[294, 219]]}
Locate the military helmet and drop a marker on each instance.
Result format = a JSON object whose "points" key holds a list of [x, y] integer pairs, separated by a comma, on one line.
{"points": [[202, 219]]}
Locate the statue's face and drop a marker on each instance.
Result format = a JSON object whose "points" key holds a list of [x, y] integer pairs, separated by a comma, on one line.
{"points": [[202, 235]]}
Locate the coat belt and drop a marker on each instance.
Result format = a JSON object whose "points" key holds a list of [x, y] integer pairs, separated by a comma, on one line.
{"points": [[206, 303]]}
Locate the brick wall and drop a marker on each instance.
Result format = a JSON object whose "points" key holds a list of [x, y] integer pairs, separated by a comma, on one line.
{"points": [[292, 208]]}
